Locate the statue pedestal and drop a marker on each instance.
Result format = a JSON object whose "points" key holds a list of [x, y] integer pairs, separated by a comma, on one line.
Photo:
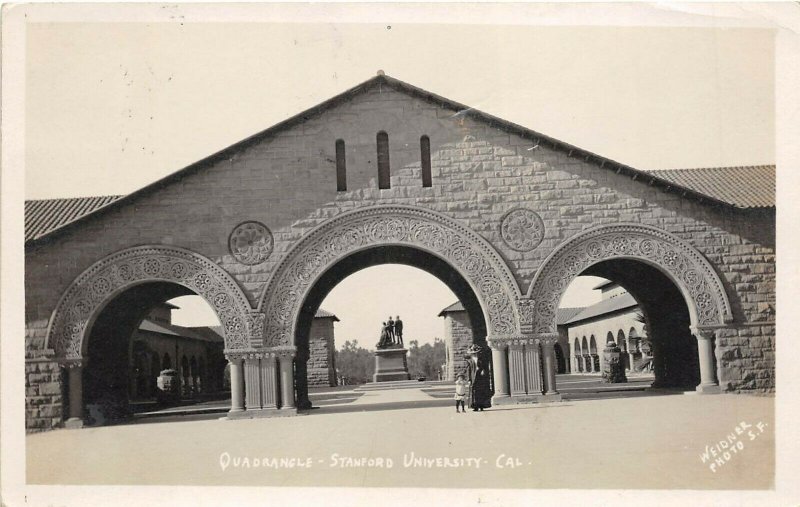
{"points": [[390, 364]]}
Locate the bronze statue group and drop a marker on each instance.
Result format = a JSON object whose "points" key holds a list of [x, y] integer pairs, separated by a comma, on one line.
{"points": [[478, 386], [391, 333]]}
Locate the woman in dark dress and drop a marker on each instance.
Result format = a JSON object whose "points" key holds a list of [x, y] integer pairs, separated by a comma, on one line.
{"points": [[480, 376]]}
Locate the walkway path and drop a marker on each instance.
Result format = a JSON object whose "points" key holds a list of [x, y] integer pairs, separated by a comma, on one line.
{"points": [[650, 442]]}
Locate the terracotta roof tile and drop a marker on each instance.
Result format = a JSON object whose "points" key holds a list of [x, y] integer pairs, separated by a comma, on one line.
{"points": [[742, 187], [323, 314], [564, 315], [604, 307], [455, 307], [46, 215]]}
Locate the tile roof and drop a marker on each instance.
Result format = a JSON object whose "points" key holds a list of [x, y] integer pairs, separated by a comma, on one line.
{"points": [[205, 334], [455, 307], [563, 315], [603, 284], [741, 187], [46, 215], [322, 314], [54, 221], [606, 306]]}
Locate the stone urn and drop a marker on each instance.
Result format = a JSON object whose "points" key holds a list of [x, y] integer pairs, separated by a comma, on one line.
{"points": [[169, 386], [613, 367]]}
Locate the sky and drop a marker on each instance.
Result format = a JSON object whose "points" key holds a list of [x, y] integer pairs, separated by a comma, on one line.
{"points": [[111, 107]]}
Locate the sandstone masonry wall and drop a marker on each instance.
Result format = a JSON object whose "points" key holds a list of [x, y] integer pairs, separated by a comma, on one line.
{"points": [[458, 337], [321, 368], [480, 172]]}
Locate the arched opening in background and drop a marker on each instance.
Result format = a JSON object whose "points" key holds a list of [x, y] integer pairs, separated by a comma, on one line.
{"points": [[132, 341], [428, 263], [637, 306]]}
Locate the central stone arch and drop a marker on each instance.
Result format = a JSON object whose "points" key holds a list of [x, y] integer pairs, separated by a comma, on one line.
{"points": [[688, 269], [100, 283], [469, 254]]}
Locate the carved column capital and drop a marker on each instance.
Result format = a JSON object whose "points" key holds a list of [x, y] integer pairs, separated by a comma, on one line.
{"points": [[72, 362], [284, 352], [704, 333], [498, 341], [234, 355], [547, 339]]}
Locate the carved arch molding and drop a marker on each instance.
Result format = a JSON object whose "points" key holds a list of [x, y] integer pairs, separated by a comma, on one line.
{"points": [[682, 263], [464, 250], [105, 279]]}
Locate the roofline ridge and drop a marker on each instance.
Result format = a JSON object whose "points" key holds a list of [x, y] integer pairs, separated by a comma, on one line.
{"points": [[773, 166], [106, 196], [306, 114]]}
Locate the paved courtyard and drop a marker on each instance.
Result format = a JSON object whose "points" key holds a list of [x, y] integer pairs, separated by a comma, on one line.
{"points": [[649, 442]]}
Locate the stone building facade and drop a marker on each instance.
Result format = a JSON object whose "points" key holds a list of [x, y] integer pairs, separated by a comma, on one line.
{"points": [[196, 353], [389, 173], [458, 337], [321, 362], [617, 318]]}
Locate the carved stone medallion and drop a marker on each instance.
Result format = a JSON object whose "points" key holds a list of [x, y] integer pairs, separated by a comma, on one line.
{"points": [[522, 229], [251, 243]]}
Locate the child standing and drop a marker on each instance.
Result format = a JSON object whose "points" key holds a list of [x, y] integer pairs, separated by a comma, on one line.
{"points": [[461, 393]]}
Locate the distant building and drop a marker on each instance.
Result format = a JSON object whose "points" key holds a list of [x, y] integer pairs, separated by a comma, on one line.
{"points": [[458, 336], [457, 339], [194, 352], [616, 317], [321, 361], [583, 333]]}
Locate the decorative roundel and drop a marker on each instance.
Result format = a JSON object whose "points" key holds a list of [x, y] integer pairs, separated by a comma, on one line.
{"points": [[251, 243], [522, 229]]}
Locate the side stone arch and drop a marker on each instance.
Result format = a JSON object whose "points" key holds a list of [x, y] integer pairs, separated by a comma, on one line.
{"points": [[678, 260], [108, 277], [469, 254]]}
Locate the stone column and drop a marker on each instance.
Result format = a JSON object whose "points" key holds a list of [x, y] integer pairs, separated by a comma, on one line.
{"points": [[500, 369], [705, 352], [237, 384], [252, 382], [268, 379], [516, 369], [75, 372], [533, 374], [287, 380], [548, 346]]}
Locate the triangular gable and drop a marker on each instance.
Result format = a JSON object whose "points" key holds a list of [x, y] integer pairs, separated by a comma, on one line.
{"points": [[383, 80]]}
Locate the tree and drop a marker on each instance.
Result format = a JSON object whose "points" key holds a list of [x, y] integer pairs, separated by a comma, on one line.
{"points": [[426, 360], [355, 364]]}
